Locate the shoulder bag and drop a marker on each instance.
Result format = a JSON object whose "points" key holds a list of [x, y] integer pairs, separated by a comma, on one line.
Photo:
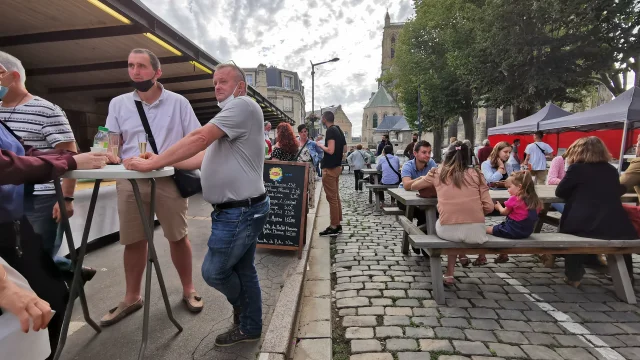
{"points": [[394, 170], [187, 181]]}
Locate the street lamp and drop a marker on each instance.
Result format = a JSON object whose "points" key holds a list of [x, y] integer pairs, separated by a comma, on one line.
{"points": [[313, 73]]}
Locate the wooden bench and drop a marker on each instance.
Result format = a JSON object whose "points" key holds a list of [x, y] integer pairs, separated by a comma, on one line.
{"points": [[393, 211], [375, 188], [547, 243], [347, 165]]}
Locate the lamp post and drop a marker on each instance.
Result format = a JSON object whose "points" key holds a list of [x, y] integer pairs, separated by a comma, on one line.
{"points": [[313, 73]]}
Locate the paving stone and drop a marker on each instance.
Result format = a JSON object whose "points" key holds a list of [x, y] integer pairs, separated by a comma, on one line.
{"points": [[481, 313], [349, 286], [632, 353], [604, 329], [370, 293], [612, 341], [510, 314], [595, 307], [419, 332], [545, 327], [413, 356], [458, 303], [513, 305], [453, 357], [478, 357], [540, 339], [352, 302], [346, 312], [346, 294], [507, 351], [401, 344], [398, 311], [425, 321], [538, 316], [480, 335], [433, 312], [631, 328], [626, 316], [570, 340], [359, 333], [515, 325], [372, 356], [470, 348], [372, 310], [449, 333], [396, 320], [593, 316], [397, 285], [630, 340], [394, 293], [429, 304], [364, 346], [574, 354], [408, 302], [483, 324], [453, 312], [374, 286], [357, 321], [511, 337], [537, 352], [435, 345], [454, 322], [381, 302], [388, 332], [419, 294], [485, 303]]}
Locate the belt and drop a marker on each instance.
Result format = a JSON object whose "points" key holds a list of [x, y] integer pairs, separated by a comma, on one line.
{"points": [[240, 203]]}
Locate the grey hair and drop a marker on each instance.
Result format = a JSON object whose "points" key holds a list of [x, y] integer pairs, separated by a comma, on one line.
{"points": [[486, 142], [153, 59], [468, 143], [11, 63], [266, 123], [239, 72]]}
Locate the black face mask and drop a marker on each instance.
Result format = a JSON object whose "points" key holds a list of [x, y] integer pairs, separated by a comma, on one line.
{"points": [[144, 85]]}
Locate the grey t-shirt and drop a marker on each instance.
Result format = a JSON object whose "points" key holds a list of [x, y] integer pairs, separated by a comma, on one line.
{"points": [[232, 166]]}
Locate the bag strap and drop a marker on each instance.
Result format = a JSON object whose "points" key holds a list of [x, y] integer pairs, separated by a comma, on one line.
{"points": [[543, 153], [147, 128], [302, 148], [394, 170], [11, 132], [363, 158]]}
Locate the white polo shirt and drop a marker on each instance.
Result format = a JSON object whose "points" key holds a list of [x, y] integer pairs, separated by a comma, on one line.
{"points": [[171, 118]]}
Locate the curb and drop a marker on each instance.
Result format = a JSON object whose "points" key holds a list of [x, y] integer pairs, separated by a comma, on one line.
{"points": [[278, 338]]}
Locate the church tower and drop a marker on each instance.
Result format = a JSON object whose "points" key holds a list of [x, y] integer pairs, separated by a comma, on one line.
{"points": [[390, 35]]}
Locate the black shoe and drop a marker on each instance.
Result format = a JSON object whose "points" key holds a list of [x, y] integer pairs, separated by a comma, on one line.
{"points": [[329, 231], [236, 315], [88, 273], [234, 336]]}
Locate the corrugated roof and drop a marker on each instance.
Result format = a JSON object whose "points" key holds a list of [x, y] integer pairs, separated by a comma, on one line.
{"points": [[393, 123], [381, 98]]}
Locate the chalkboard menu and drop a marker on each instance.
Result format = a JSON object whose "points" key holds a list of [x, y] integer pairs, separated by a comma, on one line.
{"points": [[286, 184]]}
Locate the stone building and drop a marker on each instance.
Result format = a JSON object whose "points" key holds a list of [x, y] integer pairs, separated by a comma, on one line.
{"points": [[390, 35], [282, 87], [380, 105], [340, 118]]}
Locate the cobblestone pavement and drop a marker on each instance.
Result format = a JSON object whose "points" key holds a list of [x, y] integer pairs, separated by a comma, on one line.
{"points": [[383, 307]]}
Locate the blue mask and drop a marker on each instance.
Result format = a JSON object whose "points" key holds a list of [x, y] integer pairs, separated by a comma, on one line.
{"points": [[3, 91]]}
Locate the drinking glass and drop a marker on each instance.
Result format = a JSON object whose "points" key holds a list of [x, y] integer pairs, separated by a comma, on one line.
{"points": [[142, 143], [114, 143]]}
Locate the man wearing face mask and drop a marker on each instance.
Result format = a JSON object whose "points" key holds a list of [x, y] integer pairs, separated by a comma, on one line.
{"points": [[232, 168], [170, 118]]}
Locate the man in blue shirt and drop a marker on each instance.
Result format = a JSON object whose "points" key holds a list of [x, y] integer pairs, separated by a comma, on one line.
{"points": [[389, 164], [419, 166]]}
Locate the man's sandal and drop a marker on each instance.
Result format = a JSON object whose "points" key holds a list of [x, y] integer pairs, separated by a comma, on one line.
{"points": [[120, 312], [502, 258], [480, 260], [193, 302], [464, 261]]}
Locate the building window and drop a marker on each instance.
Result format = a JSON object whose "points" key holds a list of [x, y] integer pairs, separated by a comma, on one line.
{"points": [[288, 82], [250, 79], [393, 53], [375, 121], [288, 104], [393, 39]]}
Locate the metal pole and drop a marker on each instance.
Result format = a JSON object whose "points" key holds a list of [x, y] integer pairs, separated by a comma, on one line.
{"points": [[623, 145], [313, 114]]}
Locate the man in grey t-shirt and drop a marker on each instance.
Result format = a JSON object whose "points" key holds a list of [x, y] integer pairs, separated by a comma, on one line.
{"points": [[232, 168]]}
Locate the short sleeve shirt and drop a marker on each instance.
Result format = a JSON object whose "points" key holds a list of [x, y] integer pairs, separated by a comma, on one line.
{"points": [[171, 118], [518, 208], [330, 161], [537, 155], [232, 166], [40, 124], [409, 169]]}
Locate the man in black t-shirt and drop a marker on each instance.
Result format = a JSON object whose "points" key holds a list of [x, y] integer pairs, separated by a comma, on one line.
{"points": [[334, 148]]}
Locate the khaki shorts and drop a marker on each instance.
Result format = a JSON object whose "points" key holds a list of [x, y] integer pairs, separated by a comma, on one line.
{"points": [[171, 210]]}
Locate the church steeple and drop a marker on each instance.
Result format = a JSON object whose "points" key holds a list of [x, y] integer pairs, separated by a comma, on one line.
{"points": [[387, 19]]}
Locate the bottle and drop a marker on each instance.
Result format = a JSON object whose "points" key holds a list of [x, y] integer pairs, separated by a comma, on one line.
{"points": [[101, 140]]}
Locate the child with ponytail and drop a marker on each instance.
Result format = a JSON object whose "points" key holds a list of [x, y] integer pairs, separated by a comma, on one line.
{"points": [[521, 209]]}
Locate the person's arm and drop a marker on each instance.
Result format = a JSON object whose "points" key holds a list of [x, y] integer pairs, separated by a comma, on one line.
{"points": [[24, 304], [631, 177], [407, 150], [568, 183], [330, 148], [36, 169], [489, 174], [528, 155], [557, 164]]}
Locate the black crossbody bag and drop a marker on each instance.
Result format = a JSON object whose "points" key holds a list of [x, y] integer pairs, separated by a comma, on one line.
{"points": [[187, 181], [394, 170]]}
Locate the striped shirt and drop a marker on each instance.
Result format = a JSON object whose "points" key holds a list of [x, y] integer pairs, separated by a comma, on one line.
{"points": [[40, 124]]}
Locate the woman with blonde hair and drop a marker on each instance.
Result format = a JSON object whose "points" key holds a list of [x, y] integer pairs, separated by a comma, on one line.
{"points": [[592, 190], [496, 168]]}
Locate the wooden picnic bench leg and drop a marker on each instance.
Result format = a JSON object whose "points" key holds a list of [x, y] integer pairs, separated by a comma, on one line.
{"points": [[541, 216], [435, 262], [405, 235], [431, 220], [620, 276], [370, 196], [377, 196]]}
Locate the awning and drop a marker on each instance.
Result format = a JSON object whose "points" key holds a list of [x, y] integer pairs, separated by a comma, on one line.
{"points": [[614, 114], [75, 54], [530, 123]]}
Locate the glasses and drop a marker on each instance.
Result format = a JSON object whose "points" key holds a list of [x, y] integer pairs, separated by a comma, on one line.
{"points": [[231, 62]]}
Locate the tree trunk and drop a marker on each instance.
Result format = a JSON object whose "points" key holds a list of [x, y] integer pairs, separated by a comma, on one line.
{"points": [[438, 135], [469, 125]]}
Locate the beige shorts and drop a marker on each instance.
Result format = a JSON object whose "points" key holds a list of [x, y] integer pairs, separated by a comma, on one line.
{"points": [[171, 210]]}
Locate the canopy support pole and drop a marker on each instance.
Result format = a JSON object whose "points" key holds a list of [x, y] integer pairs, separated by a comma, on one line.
{"points": [[623, 146]]}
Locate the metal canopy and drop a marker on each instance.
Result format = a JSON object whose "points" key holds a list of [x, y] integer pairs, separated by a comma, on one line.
{"points": [[75, 53]]}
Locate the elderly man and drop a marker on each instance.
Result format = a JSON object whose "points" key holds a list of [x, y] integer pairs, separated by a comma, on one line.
{"points": [[485, 151], [43, 126], [170, 118], [240, 203]]}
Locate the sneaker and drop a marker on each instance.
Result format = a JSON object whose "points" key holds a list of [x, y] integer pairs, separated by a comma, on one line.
{"points": [[234, 336], [329, 231]]}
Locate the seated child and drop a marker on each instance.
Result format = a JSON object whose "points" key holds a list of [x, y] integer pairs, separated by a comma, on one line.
{"points": [[521, 209]]}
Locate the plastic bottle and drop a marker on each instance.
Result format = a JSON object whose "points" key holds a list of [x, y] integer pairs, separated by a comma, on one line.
{"points": [[101, 140]]}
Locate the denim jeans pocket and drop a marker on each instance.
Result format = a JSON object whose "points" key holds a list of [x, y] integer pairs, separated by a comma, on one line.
{"points": [[257, 218], [225, 225]]}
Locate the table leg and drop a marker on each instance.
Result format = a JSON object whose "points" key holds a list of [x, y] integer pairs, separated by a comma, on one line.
{"points": [[77, 259], [405, 236], [541, 216], [621, 281], [152, 260]]}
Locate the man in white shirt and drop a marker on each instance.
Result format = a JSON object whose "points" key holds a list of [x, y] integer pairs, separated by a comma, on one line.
{"points": [[537, 153], [170, 118]]}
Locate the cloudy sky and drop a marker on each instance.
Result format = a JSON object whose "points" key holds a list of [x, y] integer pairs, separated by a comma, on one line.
{"points": [[290, 33]]}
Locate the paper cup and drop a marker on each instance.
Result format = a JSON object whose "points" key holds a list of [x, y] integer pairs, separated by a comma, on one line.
{"points": [[98, 149]]}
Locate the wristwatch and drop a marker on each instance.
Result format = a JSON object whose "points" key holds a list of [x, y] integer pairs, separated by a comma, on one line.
{"points": [[69, 198]]}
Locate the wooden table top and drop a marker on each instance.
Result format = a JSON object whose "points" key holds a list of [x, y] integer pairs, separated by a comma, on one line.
{"points": [[546, 193]]}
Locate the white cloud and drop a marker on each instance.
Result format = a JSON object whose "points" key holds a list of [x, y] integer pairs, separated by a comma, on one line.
{"points": [[290, 33]]}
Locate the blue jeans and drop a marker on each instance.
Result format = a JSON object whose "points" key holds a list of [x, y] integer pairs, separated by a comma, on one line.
{"points": [[558, 206], [229, 264], [39, 209]]}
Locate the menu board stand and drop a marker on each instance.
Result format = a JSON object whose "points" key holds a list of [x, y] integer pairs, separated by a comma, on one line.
{"points": [[286, 183]]}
